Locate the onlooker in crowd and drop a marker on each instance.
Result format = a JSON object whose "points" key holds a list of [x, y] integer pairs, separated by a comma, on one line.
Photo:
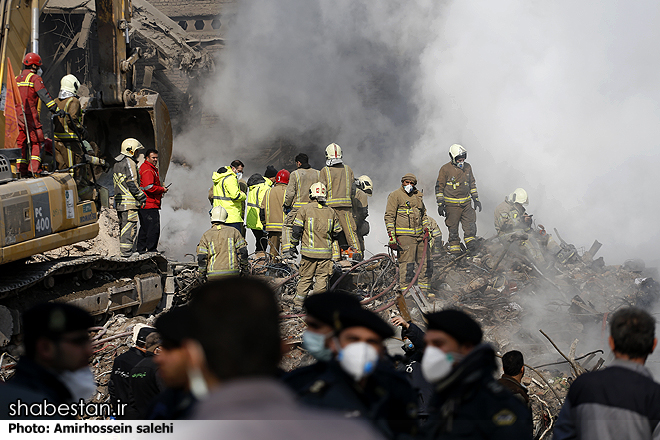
{"points": [[55, 366], [621, 401], [513, 365], [468, 402], [236, 369], [149, 214], [119, 385], [145, 384]]}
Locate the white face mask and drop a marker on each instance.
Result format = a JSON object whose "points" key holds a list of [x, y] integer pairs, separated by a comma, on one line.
{"points": [[408, 188], [198, 386], [358, 360], [239, 175], [314, 343], [460, 165], [436, 364], [80, 383]]}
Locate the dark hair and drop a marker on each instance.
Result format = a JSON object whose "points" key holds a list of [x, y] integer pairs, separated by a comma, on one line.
{"points": [[512, 362], [52, 321], [149, 151], [237, 163], [237, 323], [633, 331], [302, 158]]}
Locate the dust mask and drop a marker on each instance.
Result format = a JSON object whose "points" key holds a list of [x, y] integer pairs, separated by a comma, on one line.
{"points": [[239, 176], [460, 165], [358, 360], [408, 188], [80, 383], [314, 343], [436, 364]]}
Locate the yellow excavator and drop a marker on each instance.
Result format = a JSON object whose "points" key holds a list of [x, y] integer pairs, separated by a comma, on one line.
{"points": [[43, 213]]}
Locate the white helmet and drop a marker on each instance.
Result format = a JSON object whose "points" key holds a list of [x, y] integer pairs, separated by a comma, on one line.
{"points": [[218, 214], [366, 184], [317, 191], [333, 151], [519, 196], [457, 151], [70, 83], [130, 146]]}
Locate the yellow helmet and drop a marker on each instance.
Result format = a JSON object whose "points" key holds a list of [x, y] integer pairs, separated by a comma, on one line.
{"points": [[317, 191], [366, 184], [457, 151], [333, 151], [130, 146], [218, 214], [519, 196], [70, 83]]}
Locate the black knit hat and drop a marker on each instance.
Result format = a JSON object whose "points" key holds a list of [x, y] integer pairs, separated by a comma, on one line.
{"points": [[457, 324], [324, 306], [174, 325], [359, 317], [270, 171]]}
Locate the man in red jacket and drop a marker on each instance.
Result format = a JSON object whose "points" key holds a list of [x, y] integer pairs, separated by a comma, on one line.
{"points": [[149, 214]]}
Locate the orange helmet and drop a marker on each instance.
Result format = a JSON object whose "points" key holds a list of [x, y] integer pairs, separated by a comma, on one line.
{"points": [[282, 177], [32, 58]]}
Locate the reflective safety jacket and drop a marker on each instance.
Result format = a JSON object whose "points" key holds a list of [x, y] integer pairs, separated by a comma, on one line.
{"points": [[509, 216], [405, 213], [227, 194], [316, 225], [32, 88], [221, 251], [297, 191], [455, 185], [435, 233], [272, 214], [255, 197], [128, 194], [339, 184], [63, 131], [360, 207]]}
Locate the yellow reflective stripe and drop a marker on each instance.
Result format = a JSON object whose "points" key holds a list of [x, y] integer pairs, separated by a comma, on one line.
{"points": [[298, 222], [310, 221], [455, 247], [408, 231], [317, 251], [278, 225], [338, 201], [232, 253], [473, 190], [468, 239], [37, 158], [25, 84], [439, 195], [21, 161], [211, 261], [222, 272], [50, 104], [461, 200], [65, 135]]}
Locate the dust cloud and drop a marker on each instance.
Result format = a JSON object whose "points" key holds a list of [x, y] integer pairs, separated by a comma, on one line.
{"points": [[556, 97]]}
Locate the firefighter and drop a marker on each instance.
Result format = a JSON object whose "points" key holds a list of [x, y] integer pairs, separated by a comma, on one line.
{"points": [[271, 212], [510, 214], [340, 183], [257, 188], [435, 234], [32, 88], [128, 195], [454, 190], [227, 193], [297, 195], [364, 189], [222, 250], [317, 226], [407, 224], [71, 147]]}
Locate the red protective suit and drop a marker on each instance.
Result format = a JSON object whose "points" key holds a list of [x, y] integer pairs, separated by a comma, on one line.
{"points": [[32, 88]]}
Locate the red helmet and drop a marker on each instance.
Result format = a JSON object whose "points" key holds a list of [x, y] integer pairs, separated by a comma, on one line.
{"points": [[32, 58], [282, 177]]}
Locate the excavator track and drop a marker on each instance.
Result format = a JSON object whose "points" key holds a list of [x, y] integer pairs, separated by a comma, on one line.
{"points": [[30, 274]]}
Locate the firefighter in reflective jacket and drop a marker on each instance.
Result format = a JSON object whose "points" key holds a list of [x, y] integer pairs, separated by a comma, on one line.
{"points": [[364, 190], [271, 212], [454, 190], [257, 188], [297, 195], [71, 147], [222, 250], [406, 223], [340, 184], [227, 193], [316, 226], [32, 88], [128, 195], [510, 215]]}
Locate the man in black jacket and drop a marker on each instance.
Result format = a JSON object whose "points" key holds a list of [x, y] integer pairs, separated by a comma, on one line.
{"points": [[56, 343], [468, 402], [119, 384], [144, 382]]}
